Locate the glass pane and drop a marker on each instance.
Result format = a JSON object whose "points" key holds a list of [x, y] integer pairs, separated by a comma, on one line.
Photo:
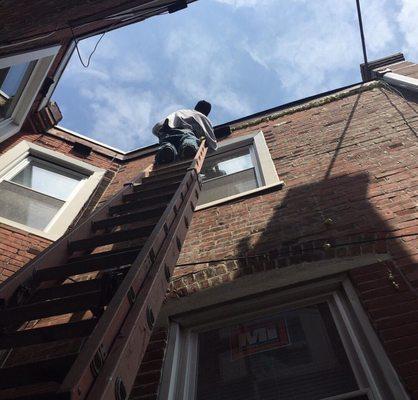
{"points": [[27, 207], [294, 355], [228, 163], [48, 179], [12, 81], [228, 186]]}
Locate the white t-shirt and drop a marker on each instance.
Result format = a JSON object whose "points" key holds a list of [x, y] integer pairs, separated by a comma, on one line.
{"points": [[190, 119]]}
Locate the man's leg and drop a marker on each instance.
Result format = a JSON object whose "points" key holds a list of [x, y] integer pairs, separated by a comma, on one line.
{"points": [[167, 152], [189, 145]]}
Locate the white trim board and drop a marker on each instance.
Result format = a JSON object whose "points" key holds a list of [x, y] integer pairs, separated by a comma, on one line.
{"points": [[45, 58]]}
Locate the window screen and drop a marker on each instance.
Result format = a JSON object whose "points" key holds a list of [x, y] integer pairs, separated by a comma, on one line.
{"points": [[35, 191], [295, 355], [227, 174]]}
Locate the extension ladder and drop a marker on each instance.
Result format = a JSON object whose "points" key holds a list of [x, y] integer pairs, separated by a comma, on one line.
{"points": [[110, 276]]}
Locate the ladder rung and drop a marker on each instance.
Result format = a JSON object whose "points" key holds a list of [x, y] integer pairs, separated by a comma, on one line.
{"points": [[40, 391], [152, 197], [47, 334], [167, 177], [52, 370], [170, 167], [110, 238], [65, 290], [122, 208], [146, 191], [156, 186], [88, 263], [44, 309], [169, 171], [112, 221]]}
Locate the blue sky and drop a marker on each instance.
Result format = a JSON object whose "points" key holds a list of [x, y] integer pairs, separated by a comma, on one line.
{"points": [[243, 56]]}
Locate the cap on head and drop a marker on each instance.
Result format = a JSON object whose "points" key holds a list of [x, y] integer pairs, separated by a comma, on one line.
{"points": [[203, 107]]}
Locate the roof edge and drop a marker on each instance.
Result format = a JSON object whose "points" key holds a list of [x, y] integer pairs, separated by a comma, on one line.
{"points": [[244, 122]]}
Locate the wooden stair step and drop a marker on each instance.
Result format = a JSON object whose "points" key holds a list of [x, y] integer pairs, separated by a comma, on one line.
{"points": [[166, 177], [169, 171], [47, 334], [37, 391], [44, 309], [152, 191], [65, 290], [150, 197], [88, 263], [110, 222], [157, 186], [51, 370], [160, 183], [125, 208], [170, 167], [110, 238]]}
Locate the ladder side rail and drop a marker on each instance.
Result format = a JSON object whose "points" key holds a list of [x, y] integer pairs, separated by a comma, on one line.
{"points": [[119, 371], [80, 377], [58, 252]]}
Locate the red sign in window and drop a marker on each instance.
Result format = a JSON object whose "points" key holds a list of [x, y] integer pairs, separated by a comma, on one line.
{"points": [[258, 337]]}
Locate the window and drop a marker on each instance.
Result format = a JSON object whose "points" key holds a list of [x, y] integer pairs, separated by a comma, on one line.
{"points": [[42, 191], [239, 167], [298, 344], [21, 77], [292, 355]]}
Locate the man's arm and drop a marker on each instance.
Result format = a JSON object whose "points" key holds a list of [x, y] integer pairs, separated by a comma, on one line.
{"points": [[157, 128], [209, 133]]}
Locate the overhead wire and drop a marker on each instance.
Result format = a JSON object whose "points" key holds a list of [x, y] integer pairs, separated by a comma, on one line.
{"points": [[30, 38], [86, 65]]}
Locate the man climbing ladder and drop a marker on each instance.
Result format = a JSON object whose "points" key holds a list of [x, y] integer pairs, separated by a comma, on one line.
{"points": [[180, 132]]}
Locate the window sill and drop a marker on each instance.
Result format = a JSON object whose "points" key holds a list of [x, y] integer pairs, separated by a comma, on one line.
{"points": [[260, 190]]}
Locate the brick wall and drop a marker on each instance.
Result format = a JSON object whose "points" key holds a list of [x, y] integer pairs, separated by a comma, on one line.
{"points": [[350, 159], [18, 246], [350, 168]]}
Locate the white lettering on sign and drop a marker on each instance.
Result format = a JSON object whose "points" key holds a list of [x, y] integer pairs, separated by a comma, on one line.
{"points": [[257, 337]]}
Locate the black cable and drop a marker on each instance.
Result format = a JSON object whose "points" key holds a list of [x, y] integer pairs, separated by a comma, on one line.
{"points": [[91, 54]]}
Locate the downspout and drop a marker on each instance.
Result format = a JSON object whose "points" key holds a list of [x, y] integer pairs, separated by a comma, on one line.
{"points": [[402, 81]]}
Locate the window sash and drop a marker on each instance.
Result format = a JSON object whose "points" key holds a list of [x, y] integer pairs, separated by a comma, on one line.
{"points": [[26, 162], [233, 151], [20, 166], [27, 207]]}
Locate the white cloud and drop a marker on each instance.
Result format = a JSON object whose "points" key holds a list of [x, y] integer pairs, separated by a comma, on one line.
{"points": [[203, 69], [407, 19], [302, 46], [311, 43]]}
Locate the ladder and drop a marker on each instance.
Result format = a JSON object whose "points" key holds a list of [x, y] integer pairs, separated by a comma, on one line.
{"points": [[99, 289]]}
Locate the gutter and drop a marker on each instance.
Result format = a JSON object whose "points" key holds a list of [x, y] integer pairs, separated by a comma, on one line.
{"points": [[402, 81]]}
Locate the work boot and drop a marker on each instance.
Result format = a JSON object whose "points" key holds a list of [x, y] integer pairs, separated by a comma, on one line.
{"points": [[166, 154], [188, 151]]}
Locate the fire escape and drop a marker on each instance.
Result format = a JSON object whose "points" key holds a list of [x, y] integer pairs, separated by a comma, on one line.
{"points": [[109, 276]]}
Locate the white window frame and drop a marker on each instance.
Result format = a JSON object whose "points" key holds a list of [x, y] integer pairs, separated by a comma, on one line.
{"points": [[44, 59], [16, 158], [371, 367], [265, 170]]}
